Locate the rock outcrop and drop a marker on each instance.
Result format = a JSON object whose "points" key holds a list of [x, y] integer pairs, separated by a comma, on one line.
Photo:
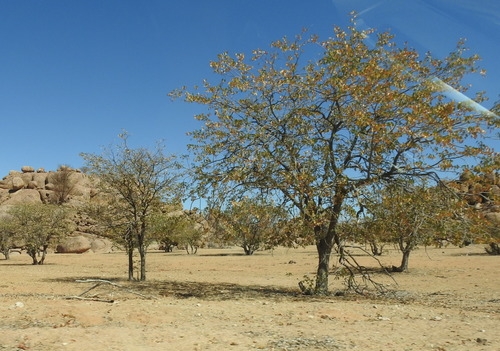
{"points": [[482, 193], [66, 185], [74, 185]]}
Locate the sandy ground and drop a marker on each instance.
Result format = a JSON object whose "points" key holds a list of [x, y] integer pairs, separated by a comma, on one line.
{"points": [[222, 300]]}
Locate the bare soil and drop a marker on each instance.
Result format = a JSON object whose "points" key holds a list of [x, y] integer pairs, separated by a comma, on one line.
{"points": [[223, 300]]}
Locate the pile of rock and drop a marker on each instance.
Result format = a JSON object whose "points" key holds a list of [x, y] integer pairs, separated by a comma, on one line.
{"points": [[30, 186], [482, 192]]}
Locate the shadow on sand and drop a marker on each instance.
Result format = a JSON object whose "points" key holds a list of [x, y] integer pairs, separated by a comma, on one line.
{"points": [[198, 290]]}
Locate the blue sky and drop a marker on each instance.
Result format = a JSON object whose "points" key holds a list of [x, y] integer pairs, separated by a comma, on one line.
{"points": [[73, 74]]}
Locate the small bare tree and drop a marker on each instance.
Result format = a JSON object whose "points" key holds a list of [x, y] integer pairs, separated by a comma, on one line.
{"points": [[140, 180]]}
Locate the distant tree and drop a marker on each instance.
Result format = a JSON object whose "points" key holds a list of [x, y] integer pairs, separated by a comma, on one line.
{"points": [[252, 223], [360, 230], [191, 237], [38, 226], [314, 133], [6, 236], [167, 226], [410, 214], [140, 180], [187, 229]]}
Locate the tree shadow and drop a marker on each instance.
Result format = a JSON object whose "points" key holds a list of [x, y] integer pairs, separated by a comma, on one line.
{"points": [[198, 290], [78, 278], [214, 291], [485, 254], [27, 264], [224, 254]]}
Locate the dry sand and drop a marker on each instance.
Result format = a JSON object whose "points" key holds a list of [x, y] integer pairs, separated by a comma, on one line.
{"points": [[222, 300]]}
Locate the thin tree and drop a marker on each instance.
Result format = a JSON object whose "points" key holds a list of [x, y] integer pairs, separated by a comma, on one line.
{"points": [[314, 133], [141, 179]]}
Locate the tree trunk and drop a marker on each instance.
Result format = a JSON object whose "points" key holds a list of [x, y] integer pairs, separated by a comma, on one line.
{"points": [[141, 238], [44, 254], [6, 253], [248, 250], [324, 247], [32, 253], [130, 253], [404, 262], [376, 248], [142, 256]]}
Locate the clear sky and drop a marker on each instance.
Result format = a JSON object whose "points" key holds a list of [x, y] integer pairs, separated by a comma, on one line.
{"points": [[74, 73]]}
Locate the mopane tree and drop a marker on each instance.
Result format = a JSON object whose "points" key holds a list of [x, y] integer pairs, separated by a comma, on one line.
{"points": [[410, 214], [140, 179], [252, 223], [166, 223], [37, 226], [314, 132], [192, 237], [177, 228]]}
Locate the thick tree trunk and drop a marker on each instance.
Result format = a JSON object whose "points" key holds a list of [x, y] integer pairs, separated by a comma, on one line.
{"points": [[326, 238], [404, 262], [324, 247], [142, 254], [248, 250]]}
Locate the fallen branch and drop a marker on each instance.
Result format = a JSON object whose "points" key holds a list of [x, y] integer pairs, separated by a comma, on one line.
{"points": [[88, 299], [99, 283]]}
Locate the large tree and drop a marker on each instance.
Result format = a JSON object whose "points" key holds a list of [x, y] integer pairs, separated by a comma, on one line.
{"points": [[140, 180], [312, 122]]}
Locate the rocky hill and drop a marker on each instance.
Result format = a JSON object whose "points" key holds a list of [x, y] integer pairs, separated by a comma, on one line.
{"points": [[65, 185], [30, 186]]}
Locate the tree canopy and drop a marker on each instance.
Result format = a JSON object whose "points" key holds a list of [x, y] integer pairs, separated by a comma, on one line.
{"points": [[312, 121]]}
